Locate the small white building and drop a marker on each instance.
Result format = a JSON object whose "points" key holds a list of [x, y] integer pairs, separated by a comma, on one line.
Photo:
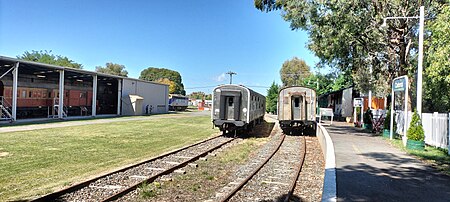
{"points": [[154, 97]]}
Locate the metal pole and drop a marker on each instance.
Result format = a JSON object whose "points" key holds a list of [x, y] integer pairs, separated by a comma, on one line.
{"points": [[420, 62], [61, 94], [362, 114], [119, 95], [94, 95], [405, 128], [391, 127], [15, 74], [369, 103]]}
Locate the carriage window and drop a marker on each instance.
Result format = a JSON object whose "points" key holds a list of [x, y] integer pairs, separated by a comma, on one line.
{"points": [[230, 102], [24, 94], [30, 94], [49, 94], [296, 102]]}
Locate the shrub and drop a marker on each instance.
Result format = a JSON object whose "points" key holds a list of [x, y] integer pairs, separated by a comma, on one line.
{"points": [[415, 131], [387, 121], [368, 116]]}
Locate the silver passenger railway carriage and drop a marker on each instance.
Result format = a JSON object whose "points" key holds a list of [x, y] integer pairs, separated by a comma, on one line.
{"points": [[297, 109], [236, 107]]}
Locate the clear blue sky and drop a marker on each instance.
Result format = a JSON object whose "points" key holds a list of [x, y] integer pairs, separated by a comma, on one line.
{"points": [[201, 39]]}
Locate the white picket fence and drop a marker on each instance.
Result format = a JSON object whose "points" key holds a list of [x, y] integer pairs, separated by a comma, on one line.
{"points": [[436, 127]]}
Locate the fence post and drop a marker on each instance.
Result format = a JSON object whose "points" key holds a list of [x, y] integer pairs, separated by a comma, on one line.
{"points": [[448, 131], [434, 123]]}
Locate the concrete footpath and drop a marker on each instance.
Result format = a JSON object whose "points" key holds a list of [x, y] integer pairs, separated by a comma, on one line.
{"points": [[369, 169]]}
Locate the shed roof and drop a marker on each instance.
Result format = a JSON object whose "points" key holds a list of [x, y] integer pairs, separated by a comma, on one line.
{"points": [[8, 60]]}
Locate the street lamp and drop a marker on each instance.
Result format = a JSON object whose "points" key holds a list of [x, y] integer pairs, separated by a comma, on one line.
{"points": [[420, 60]]}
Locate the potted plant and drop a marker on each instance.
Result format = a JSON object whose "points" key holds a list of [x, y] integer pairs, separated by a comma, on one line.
{"points": [[368, 119], [415, 134]]}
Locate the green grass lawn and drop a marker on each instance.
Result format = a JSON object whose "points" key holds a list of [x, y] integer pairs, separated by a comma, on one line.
{"points": [[84, 119], [41, 161], [436, 157]]}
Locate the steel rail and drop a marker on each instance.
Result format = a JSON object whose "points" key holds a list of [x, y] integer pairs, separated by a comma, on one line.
{"points": [[249, 177], [297, 171], [55, 195], [165, 172]]}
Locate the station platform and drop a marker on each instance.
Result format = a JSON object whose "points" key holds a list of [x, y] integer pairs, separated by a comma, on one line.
{"points": [[368, 168]]}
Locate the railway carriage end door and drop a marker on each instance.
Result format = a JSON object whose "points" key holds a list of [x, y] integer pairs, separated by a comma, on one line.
{"points": [[295, 108], [229, 108]]}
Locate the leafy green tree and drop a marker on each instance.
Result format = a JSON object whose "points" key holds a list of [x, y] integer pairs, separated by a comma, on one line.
{"points": [[272, 98], [437, 76], [172, 85], [155, 74], [112, 68], [342, 81], [200, 95], [348, 35], [294, 72], [48, 58], [325, 83]]}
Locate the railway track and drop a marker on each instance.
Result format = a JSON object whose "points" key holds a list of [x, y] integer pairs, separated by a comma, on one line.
{"points": [[114, 185], [273, 177]]}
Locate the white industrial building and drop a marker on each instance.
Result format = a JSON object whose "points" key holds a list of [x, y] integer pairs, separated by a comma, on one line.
{"points": [[30, 90]]}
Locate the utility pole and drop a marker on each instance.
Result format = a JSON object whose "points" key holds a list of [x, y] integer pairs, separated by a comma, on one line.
{"points": [[421, 18], [231, 75]]}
